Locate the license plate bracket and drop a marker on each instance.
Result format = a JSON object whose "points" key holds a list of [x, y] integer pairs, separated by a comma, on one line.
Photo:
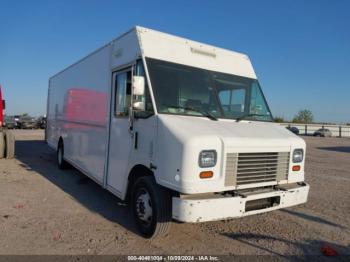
{"points": [[258, 204]]}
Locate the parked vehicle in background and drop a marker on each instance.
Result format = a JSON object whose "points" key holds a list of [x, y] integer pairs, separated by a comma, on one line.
{"points": [[17, 117], [41, 122], [177, 128], [293, 129], [7, 138], [9, 122], [26, 122], [323, 132]]}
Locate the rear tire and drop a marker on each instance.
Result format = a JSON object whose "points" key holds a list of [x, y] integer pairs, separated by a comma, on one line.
{"points": [[151, 207], [62, 164], [10, 145], [2, 145]]}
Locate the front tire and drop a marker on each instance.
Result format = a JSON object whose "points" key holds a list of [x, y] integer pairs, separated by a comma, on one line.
{"points": [[151, 207]]}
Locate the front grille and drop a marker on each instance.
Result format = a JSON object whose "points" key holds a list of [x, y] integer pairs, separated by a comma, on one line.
{"points": [[251, 168]]}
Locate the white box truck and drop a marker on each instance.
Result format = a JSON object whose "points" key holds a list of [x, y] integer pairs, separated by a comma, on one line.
{"points": [[179, 129]]}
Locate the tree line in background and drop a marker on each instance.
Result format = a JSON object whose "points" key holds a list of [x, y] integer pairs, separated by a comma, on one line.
{"points": [[304, 116]]}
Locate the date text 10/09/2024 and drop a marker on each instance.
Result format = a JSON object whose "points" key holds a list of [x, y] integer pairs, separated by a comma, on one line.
{"points": [[173, 258]]}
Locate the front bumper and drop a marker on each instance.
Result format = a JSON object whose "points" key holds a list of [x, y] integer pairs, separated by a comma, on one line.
{"points": [[201, 209]]}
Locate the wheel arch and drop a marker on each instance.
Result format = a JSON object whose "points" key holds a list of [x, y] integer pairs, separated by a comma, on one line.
{"points": [[136, 172]]}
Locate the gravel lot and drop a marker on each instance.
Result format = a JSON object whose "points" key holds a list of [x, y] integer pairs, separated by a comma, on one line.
{"points": [[44, 210]]}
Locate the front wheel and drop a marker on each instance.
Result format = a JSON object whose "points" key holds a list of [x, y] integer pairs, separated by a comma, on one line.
{"points": [[151, 207]]}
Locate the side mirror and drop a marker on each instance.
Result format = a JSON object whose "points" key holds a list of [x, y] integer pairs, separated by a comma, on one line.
{"points": [[3, 104], [138, 85], [139, 106]]}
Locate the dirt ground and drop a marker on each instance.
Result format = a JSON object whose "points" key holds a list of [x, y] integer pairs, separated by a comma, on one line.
{"points": [[44, 210]]}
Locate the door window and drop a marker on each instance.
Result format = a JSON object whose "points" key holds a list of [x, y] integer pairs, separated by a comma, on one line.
{"points": [[122, 93], [140, 71]]}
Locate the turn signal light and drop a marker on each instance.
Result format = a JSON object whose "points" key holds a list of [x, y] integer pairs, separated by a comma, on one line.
{"points": [[206, 174], [296, 168]]}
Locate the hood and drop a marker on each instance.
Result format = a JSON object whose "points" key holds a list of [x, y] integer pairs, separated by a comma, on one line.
{"points": [[233, 134]]}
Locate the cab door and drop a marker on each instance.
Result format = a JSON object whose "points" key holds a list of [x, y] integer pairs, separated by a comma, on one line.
{"points": [[120, 140]]}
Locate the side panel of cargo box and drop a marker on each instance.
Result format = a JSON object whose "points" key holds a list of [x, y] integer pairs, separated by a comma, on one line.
{"points": [[78, 112]]}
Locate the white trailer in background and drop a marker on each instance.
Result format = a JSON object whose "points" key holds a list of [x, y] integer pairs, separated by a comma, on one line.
{"points": [[178, 128]]}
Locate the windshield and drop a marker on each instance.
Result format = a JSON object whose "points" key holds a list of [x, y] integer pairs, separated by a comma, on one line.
{"points": [[185, 90]]}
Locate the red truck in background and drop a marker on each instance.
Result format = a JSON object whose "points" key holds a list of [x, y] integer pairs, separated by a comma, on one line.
{"points": [[2, 107], [7, 138]]}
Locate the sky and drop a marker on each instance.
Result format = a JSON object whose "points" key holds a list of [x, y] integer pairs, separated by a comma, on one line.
{"points": [[300, 49]]}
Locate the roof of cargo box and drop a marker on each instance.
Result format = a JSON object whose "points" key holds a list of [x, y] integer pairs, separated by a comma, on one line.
{"points": [[180, 50], [162, 46]]}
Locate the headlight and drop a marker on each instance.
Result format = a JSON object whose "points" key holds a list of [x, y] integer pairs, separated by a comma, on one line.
{"points": [[207, 158], [298, 155]]}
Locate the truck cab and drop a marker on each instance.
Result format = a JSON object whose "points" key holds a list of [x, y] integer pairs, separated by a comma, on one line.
{"points": [[217, 146]]}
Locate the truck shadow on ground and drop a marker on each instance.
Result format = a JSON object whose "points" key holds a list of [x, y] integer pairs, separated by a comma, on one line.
{"points": [[311, 218], [343, 149], [36, 155], [308, 247]]}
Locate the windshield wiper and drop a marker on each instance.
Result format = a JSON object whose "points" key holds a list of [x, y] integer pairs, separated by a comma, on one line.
{"points": [[203, 112], [248, 115], [209, 115]]}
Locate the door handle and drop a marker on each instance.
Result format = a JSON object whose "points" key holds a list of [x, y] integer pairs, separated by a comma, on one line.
{"points": [[136, 140]]}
